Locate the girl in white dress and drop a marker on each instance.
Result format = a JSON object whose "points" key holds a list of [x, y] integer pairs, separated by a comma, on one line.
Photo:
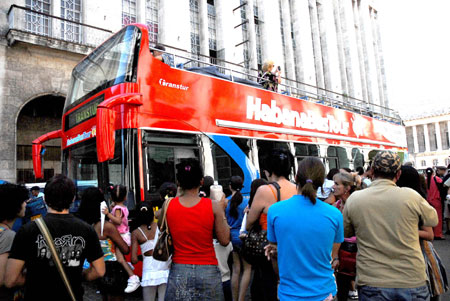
{"points": [[154, 272]]}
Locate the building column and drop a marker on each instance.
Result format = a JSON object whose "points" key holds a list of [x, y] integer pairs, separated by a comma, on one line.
{"points": [[323, 36], [427, 138], [448, 132], [175, 26], [288, 48], [318, 59], [225, 31], [249, 12], [303, 45], [271, 43], [380, 62], [140, 11], [416, 141], [361, 57], [372, 16], [203, 30], [340, 48], [438, 136]]}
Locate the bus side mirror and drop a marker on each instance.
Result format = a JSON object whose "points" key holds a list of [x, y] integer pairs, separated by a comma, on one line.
{"points": [[106, 134], [106, 119], [39, 150], [37, 160]]}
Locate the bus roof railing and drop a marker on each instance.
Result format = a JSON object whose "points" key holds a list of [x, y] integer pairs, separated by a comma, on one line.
{"points": [[182, 59]]}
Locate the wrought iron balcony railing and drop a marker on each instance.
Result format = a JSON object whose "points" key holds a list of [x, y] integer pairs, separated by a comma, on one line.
{"points": [[27, 25]]}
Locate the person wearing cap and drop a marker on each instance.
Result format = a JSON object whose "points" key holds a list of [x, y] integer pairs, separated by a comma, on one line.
{"points": [[385, 220]]}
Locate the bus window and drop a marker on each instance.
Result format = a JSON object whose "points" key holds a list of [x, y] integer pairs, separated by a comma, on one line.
{"points": [[358, 158], [372, 154], [337, 157], [244, 144], [110, 64], [163, 152], [303, 150], [265, 147], [224, 167], [81, 161]]}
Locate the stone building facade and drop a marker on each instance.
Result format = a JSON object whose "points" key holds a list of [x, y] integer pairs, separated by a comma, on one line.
{"points": [[428, 138], [325, 46]]}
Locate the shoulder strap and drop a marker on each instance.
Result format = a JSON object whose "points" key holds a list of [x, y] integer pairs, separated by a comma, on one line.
{"points": [[277, 187], [49, 240], [164, 226], [143, 234]]}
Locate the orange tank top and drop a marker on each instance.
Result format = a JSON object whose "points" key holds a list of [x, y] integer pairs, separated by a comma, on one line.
{"points": [[263, 216]]}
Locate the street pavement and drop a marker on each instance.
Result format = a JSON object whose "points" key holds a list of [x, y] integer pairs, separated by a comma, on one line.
{"points": [[441, 246]]}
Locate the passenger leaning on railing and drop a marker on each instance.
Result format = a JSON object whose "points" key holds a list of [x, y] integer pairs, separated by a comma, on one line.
{"points": [[269, 79]]}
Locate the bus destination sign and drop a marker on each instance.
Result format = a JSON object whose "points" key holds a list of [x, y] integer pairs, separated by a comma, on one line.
{"points": [[84, 113]]}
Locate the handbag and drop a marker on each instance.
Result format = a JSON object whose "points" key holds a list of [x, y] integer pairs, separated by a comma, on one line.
{"points": [[51, 245], [347, 258], [437, 277], [253, 245], [164, 246]]}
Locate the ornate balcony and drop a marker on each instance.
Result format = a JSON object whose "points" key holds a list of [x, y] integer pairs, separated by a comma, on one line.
{"points": [[30, 26]]}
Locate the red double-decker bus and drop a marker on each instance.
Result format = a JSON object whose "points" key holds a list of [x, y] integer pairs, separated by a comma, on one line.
{"points": [[130, 118]]}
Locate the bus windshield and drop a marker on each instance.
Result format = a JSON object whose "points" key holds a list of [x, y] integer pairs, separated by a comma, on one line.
{"points": [[110, 64], [81, 162]]}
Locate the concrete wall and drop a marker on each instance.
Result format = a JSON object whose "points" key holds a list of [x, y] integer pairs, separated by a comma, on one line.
{"points": [[26, 72]]}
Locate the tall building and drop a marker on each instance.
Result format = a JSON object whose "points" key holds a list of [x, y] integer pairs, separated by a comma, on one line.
{"points": [[428, 138], [328, 50]]}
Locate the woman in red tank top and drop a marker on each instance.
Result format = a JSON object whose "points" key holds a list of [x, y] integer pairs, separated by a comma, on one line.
{"points": [[192, 220]]}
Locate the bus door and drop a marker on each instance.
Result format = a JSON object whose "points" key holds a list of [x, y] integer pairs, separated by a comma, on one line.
{"points": [[163, 151]]}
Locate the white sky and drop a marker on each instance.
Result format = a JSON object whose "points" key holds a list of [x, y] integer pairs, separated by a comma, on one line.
{"points": [[416, 42]]}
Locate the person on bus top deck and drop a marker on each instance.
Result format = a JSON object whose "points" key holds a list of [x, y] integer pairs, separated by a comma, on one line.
{"points": [[277, 169], [269, 79]]}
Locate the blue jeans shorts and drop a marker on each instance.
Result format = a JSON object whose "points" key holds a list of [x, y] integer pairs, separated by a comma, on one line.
{"points": [[369, 293], [191, 282]]}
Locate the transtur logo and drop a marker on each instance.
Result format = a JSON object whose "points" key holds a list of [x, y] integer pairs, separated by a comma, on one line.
{"points": [[309, 120]]}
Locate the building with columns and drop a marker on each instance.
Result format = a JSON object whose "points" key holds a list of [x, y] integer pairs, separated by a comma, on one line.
{"points": [[329, 48], [428, 138]]}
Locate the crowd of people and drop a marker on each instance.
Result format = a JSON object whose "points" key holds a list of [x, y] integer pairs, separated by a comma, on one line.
{"points": [[364, 234]]}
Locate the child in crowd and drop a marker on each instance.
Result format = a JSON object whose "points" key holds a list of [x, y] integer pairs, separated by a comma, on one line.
{"points": [[154, 272], [119, 217]]}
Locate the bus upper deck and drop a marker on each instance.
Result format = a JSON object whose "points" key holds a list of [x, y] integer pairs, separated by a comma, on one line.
{"points": [[129, 118]]}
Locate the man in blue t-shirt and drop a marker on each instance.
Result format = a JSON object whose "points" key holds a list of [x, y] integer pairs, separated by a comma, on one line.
{"points": [[305, 235]]}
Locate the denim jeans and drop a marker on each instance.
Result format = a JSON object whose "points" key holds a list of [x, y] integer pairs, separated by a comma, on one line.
{"points": [[191, 282], [369, 293]]}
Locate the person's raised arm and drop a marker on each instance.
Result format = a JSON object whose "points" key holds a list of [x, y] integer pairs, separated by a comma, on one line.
{"points": [[116, 217], [221, 227]]}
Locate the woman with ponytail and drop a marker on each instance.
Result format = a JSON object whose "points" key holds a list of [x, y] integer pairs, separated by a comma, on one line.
{"points": [[235, 214], [434, 198], [306, 234]]}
